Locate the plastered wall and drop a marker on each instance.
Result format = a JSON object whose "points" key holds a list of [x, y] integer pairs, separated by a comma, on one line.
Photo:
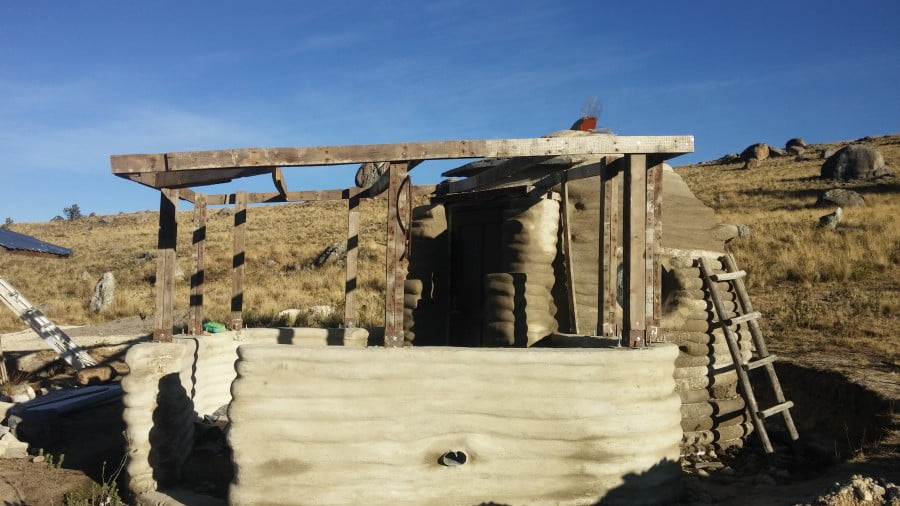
{"points": [[537, 426], [170, 385]]}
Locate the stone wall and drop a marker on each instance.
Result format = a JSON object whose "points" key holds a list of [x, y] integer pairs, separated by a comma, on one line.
{"points": [[375, 426]]}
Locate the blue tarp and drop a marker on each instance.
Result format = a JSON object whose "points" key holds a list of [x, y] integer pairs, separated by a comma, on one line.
{"points": [[16, 242]]}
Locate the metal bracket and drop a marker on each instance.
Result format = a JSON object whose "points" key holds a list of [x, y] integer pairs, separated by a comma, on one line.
{"points": [[393, 341], [637, 338], [610, 329]]}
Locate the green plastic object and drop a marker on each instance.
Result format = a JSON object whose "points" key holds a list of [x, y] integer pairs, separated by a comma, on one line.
{"points": [[213, 327]]}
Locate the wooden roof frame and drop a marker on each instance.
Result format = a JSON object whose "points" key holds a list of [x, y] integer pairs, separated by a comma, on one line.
{"points": [[530, 165]]}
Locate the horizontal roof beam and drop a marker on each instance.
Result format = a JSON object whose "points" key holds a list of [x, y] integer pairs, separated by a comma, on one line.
{"points": [[595, 144]]}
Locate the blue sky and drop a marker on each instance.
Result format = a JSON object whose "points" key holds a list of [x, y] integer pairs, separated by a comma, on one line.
{"points": [[80, 81]]}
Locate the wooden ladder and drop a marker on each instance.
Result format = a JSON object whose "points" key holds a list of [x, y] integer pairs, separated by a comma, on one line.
{"points": [[49, 332], [745, 314]]}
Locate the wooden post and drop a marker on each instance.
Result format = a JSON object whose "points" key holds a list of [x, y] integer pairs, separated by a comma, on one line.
{"points": [[195, 321], [237, 265], [4, 376], [398, 220], [352, 257], [608, 265], [634, 312], [654, 239], [567, 256], [165, 264]]}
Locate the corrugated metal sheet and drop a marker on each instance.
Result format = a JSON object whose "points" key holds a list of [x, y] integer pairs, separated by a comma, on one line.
{"points": [[21, 243]]}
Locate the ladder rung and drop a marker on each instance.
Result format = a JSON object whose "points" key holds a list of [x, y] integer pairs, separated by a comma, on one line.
{"points": [[778, 408], [744, 318], [761, 362], [728, 276]]}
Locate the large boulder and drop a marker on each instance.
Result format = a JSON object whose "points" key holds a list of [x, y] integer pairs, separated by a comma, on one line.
{"points": [[369, 172], [795, 142], [333, 253], [759, 151], [841, 198], [104, 291], [855, 162]]}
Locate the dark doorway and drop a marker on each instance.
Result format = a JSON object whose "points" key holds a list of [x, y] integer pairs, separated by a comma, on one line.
{"points": [[475, 250]]}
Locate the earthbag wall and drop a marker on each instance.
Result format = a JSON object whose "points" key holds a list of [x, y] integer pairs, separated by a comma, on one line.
{"points": [[432, 425], [519, 306], [713, 413], [425, 291], [171, 385]]}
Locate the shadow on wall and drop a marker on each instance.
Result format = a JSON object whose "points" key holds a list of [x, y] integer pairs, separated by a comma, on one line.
{"points": [[654, 486], [171, 437]]}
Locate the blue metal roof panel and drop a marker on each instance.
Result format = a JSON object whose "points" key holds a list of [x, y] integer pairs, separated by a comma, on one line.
{"points": [[16, 242]]}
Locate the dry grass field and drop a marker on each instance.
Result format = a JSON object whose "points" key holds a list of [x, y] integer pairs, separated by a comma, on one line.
{"points": [[820, 289], [282, 243]]}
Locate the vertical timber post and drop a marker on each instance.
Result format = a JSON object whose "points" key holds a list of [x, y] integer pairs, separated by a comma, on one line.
{"points": [[654, 239], [195, 320], [398, 221], [237, 263], [567, 257], [608, 263], [167, 239], [352, 257], [634, 313]]}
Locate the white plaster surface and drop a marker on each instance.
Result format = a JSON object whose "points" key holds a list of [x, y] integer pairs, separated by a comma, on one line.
{"points": [[539, 425]]}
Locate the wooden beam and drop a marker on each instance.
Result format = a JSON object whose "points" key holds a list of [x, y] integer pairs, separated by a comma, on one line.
{"points": [[198, 273], [566, 235], [496, 173], [238, 261], [597, 144], [167, 239], [280, 184], [192, 178], [398, 221], [188, 195], [608, 263], [634, 255], [307, 196], [654, 238], [352, 258]]}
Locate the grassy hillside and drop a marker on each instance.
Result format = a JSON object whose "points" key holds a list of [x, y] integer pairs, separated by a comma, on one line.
{"points": [[819, 289], [282, 242]]}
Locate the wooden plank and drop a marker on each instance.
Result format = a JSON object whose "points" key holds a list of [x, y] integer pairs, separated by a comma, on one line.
{"points": [[634, 313], [657, 260], [352, 260], [598, 144], [608, 264], [280, 184], [198, 273], [567, 254], [192, 178], [652, 261], [167, 240], [306, 195], [496, 174], [187, 195], [238, 260], [398, 221]]}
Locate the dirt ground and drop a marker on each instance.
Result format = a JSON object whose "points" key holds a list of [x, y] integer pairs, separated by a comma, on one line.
{"points": [[845, 411]]}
